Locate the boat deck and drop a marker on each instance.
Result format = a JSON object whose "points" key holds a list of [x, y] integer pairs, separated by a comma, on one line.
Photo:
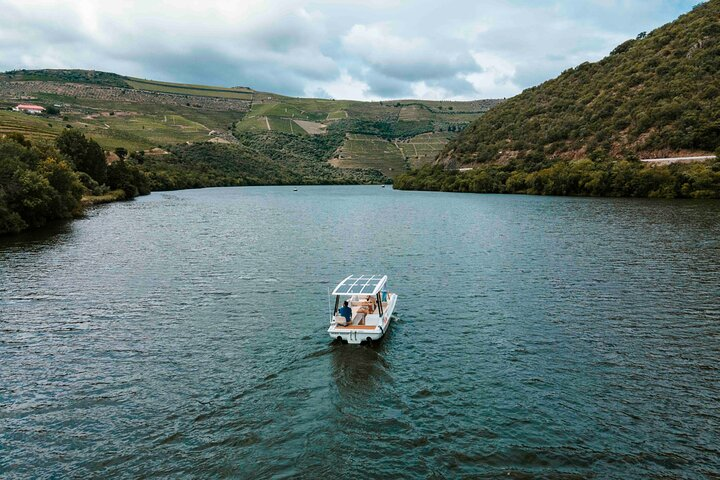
{"points": [[356, 327]]}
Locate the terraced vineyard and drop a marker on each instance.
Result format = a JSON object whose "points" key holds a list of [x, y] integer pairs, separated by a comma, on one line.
{"points": [[138, 114], [285, 125], [131, 130], [414, 112], [239, 93], [337, 115], [422, 149], [34, 128], [366, 151]]}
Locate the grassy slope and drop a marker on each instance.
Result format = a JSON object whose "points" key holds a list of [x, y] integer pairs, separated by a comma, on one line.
{"points": [[424, 148], [367, 151], [140, 125], [420, 128], [31, 126], [654, 95], [185, 89], [133, 126]]}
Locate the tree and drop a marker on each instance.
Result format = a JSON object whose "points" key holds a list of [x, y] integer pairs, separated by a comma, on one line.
{"points": [[18, 138], [35, 198], [69, 190], [86, 155], [121, 152], [127, 177]]}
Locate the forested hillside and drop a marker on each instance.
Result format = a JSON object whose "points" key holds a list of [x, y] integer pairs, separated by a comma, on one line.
{"points": [[652, 96], [584, 132]]}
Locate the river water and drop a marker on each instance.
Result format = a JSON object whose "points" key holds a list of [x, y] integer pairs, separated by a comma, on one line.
{"points": [[183, 335]]}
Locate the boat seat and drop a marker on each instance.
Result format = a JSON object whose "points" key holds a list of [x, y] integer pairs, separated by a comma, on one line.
{"points": [[340, 319]]}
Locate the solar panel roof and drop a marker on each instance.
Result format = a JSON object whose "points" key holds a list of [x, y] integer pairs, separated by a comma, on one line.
{"points": [[360, 285]]}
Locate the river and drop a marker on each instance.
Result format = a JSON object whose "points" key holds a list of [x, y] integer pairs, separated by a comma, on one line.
{"points": [[183, 334]]}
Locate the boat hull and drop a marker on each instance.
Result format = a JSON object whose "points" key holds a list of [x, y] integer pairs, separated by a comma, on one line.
{"points": [[357, 334]]}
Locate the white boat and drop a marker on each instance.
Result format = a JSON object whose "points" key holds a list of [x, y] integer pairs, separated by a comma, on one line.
{"points": [[371, 305]]}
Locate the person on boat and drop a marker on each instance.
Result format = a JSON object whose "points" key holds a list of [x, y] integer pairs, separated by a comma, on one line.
{"points": [[346, 312], [368, 306]]}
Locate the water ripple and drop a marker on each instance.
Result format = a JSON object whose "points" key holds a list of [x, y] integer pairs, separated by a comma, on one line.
{"points": [[182, 335]]}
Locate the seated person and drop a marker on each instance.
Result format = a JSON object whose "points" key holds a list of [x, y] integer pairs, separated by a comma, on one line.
{"points": [[368, 307], [370, 302], [346, 312]]}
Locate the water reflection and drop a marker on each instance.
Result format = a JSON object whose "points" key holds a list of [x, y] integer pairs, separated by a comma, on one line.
{"points": [[46, 237]]}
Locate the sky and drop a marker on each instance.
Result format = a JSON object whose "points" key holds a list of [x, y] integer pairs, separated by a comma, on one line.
{"points": [[351, 49]]}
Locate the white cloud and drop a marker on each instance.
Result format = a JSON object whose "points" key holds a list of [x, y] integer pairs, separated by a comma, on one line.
{"points": [[497, 79], [404, 57], [343, 87], [362, 49]]}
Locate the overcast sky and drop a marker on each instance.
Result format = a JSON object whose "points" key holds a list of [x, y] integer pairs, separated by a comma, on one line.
{"points": [[353, 49]]}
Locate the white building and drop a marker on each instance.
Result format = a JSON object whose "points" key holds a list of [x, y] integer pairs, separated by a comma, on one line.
{"points": [[27, 108]]}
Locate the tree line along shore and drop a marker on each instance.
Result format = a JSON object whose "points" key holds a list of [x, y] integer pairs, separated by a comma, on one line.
{"points": [[586, 177], [45, 181]]}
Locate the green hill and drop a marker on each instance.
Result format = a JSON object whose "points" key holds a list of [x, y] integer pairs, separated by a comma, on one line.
{"points": [[138, 114], [91, 77], [583, 132], [652, 96]]}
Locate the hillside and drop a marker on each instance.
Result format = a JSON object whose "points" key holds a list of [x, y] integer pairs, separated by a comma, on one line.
{"points": [[139, 114], [653, 96]]}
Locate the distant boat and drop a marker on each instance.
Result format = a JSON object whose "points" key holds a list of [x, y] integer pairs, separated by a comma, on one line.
{"points": [[294, 189], [371, 306], [383, 186]]}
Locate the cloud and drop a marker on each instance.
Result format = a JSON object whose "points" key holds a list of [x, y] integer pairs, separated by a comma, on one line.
{"points": [[343, 87], [402, 57], [498, 79], [361, 49]]}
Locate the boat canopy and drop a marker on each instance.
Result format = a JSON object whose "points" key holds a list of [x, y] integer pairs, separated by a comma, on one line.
{"points": [[361, 285]]}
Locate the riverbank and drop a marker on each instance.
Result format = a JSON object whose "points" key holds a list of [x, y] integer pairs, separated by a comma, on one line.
{"points": [[42, 182], [600, 178], [113, 196]]}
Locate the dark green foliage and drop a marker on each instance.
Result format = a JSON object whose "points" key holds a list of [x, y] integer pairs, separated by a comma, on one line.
{"points": [[308, 155], [34, 188], [615, 178], [276, 159], [213, 165], [86, 155], [52, 110], [91, 185], [384, 129], [128, 178], [74, 76], [287, 147], [121, 152], [38, 185], [18, 138], [659, 92]]}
